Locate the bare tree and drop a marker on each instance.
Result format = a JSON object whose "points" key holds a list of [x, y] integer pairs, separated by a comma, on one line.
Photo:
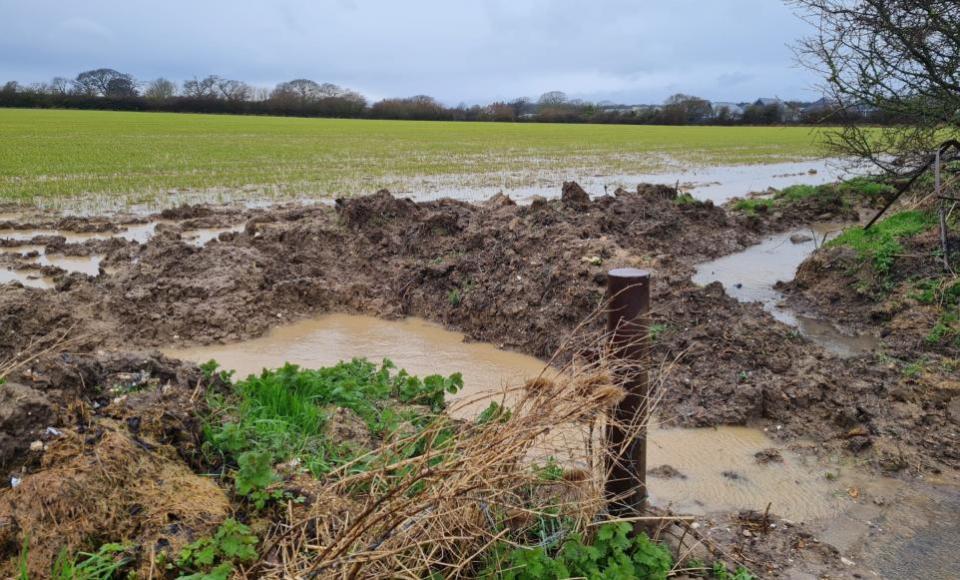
{"points": [[97, 82], [205, 88], [160, 89], [552, 99], [299, 91], [234, 91], [897, 60], [330, 90], [260, 94], [59, 86]]}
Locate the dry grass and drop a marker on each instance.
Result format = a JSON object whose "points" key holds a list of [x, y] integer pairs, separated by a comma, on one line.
{"points": [[445, 511], [106, 486]]}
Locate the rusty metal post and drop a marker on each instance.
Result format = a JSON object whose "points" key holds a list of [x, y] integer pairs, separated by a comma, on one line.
{"points": [[628, 297]]}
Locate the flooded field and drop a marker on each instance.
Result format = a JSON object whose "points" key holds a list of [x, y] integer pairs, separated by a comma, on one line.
{"points": [[718, 184], [751, 276], [166, 155]]}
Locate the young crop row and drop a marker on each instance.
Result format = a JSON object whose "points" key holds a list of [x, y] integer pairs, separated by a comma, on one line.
{"points": [[52, 153]]}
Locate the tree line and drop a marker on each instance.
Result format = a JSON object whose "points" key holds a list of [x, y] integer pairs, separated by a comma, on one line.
{"points": [[108, 89]]}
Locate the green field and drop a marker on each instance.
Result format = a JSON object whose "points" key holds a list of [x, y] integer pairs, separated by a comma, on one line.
{"points": [[53, 154]]}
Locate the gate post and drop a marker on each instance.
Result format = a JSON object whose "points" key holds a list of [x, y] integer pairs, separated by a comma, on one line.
{"points": [[628, 298]]}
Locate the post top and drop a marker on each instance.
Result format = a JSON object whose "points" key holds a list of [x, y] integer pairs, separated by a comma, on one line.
{"points": [[628, 273]]}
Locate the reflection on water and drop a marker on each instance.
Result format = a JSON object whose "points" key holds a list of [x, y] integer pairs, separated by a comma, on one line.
{"points": [[28, 278], [750, 276], [89, 265]]}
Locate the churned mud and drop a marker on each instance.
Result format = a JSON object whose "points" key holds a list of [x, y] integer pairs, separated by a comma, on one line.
{"points": [[521, 277]]}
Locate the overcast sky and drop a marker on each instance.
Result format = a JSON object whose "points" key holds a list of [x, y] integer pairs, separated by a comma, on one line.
{"points": [[632, 51]]}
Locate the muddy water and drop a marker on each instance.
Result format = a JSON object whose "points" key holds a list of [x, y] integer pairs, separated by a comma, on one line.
{"points": [[418, 346], [901, 529], [29, 278], [425, 348], [202, 237], [89, 265], [750, 276]]}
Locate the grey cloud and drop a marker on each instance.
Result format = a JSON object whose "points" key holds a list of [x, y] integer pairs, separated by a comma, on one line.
{"points": [[456, 50]]}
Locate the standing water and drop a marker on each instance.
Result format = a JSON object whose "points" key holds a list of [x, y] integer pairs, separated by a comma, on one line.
{"points": [[718, 470], [750, 276]]}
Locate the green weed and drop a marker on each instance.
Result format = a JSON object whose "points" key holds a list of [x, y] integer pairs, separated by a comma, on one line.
{"points": [[720, 572], [868, 187], [215, 557], [686, 198], [881, 243], [753, 206], [103, 564], [799, 192], [947, 328], [253, 478], [211, 370], [22, 570], [613, 554], [656, 331], [945, 295], [550, 471], [282, 414], [914, 369], [454, 297], [494, 412]]}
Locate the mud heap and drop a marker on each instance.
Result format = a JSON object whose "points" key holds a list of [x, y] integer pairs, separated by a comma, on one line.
{"points": [[519, 276]]}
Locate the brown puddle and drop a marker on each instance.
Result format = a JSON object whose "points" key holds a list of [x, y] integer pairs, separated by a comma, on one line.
{"points": [[424, 348], [750, 276], [901, 529], [89, 265], [420, 347], [29, 278]]}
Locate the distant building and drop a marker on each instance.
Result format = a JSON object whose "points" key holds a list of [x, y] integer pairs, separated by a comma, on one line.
{"points": [[820, 106], [618, 109], [767, 102]]}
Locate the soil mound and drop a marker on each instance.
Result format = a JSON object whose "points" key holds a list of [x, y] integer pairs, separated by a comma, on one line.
{"points": [[375, 210], [573, 196]]}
